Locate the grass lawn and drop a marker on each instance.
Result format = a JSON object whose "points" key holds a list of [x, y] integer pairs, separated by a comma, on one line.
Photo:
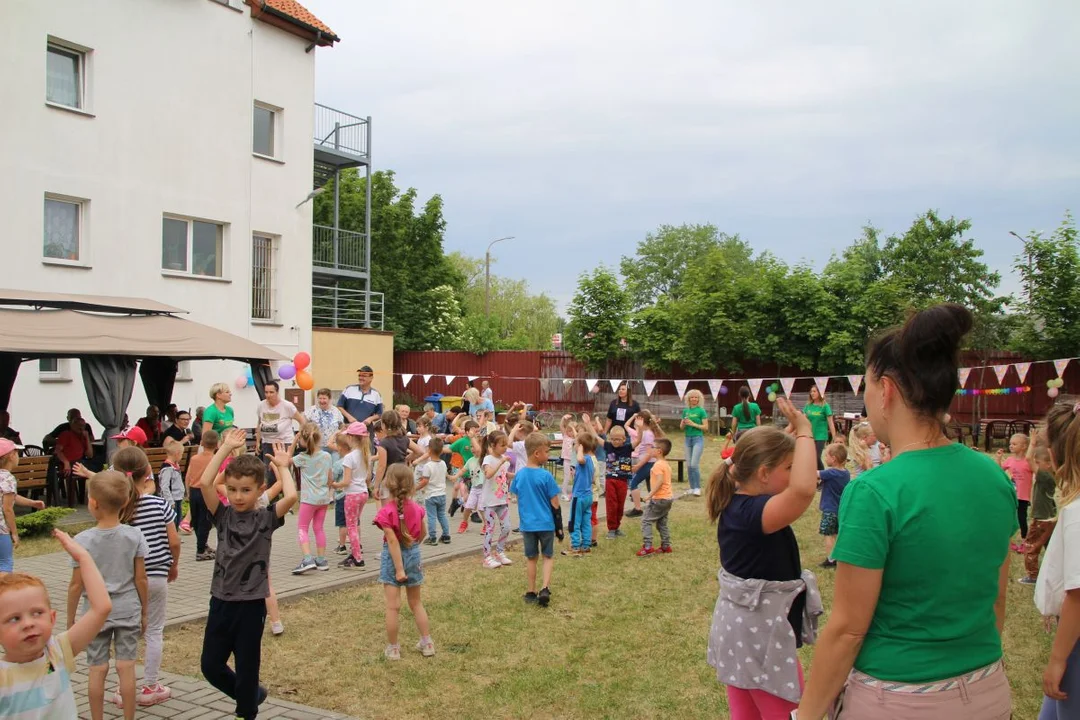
{"points": [[45, 544], [624, 637]]}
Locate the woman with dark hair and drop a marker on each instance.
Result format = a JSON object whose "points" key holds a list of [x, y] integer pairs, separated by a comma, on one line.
{"points": [[818, 412], [747, 414], [923, 550], [622, 408]]}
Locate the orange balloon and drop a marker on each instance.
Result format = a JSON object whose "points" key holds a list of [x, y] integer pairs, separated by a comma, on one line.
{"points": [[304, 380], [301, 360]]}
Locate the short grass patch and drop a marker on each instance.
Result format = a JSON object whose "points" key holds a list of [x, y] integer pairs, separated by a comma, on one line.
{"points": [[45, 544]]}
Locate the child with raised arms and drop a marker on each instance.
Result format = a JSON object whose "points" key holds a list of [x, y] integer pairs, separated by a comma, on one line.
{"points": [[496, 499]]}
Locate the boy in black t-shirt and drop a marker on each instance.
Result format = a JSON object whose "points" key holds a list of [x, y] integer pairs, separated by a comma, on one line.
{"points": [[617, 478]]}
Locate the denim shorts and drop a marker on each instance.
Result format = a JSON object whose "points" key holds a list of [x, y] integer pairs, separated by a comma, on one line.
{"points": [[541, 542], [410, 558], [641, 476], [7, 554], [339, 512]]}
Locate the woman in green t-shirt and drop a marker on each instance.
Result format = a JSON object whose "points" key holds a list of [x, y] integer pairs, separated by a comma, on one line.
{"points": [[694, 423], [747, 414], [923, 550], [818, 412], [219, 416]]}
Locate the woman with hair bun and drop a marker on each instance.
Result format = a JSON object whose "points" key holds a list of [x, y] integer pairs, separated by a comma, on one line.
{"points": [[923, 550]]}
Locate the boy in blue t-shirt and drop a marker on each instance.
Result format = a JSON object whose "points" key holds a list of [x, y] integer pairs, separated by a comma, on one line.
{"points": [[833, 481], [581, 504], [539, 515]]}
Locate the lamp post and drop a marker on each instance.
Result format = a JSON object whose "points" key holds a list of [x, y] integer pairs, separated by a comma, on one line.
{"points": [[1027, 253], [487, 274]]}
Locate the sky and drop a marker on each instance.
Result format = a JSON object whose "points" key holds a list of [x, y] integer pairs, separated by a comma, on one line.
{"points": [[579, 127]]}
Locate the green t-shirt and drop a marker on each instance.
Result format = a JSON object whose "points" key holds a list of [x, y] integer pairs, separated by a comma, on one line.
{"points": [[463, 447], [221, 421], [1043, 506], [695, 415], [818, 415], [746, 423], [938, 523]]}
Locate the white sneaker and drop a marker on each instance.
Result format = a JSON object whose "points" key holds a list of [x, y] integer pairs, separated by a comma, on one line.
{"points": [[427, 649], [564, 497], [697, 492], [490, 562], [501, 557], [277, 628]]}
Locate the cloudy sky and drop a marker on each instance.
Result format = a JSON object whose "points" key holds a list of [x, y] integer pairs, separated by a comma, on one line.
{"points": [[577, 127]]}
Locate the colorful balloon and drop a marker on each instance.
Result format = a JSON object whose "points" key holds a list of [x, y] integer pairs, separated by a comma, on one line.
{"points": [[1052, 392], [287, 371], [772, 397], [301, 360], [241, 382], [304, 380], [723, 389]]}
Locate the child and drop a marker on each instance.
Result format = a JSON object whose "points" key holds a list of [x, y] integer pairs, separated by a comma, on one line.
{"points": [[566, 427], [402, 523], [201, 522], [338, 450], [834, 478], [540, 515], [859, 454], [433, 482], [238, 591], [471, 479], [9, 491], [1019, 469], [581, 505], [155, 517], [619, 468], [119, 551], [496, 500], [660, 499], [774, 471], [316, 474], [355, 464], [647, 430], [171, 479], [36, 669], [1043, 512], [463, 449]]}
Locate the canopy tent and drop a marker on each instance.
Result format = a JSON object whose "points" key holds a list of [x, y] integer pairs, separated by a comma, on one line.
{"points": [[109, 335]]}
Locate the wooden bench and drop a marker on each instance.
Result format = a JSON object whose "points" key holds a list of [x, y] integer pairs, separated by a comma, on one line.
{"points": [[32, 474], [157, 457]]}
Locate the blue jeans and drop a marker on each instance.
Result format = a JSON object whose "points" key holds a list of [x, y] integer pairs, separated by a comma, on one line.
{"points": [[436, 509], [7, 554], [1070, 684], [581, 535], [695, 445]]}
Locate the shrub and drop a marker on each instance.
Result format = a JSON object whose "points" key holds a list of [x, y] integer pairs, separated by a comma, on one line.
{"points": [[40, 522]]}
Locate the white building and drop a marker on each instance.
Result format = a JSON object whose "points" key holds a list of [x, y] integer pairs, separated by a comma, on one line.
{"points": [[164, 150]]}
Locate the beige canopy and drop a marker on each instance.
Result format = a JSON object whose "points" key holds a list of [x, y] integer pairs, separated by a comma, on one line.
{"points": [[105, 303]]}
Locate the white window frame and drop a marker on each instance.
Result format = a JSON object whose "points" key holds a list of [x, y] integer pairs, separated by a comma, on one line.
{"points": [[234, 4], [277, 131], [82, 229], [183, 371], [271, 295], [62, 374], [84, 83], [190, 248]]}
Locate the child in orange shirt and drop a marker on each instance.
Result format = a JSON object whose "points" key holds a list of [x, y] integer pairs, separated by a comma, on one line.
{"points": [[659, 501]]}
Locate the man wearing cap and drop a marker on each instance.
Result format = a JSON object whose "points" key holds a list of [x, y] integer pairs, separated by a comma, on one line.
{"points": [[361, 402]]}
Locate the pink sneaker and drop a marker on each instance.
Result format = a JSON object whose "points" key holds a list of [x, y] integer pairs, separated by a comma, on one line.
{"points": [[153, 694]]}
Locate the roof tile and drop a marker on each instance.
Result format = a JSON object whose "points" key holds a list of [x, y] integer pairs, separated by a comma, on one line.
{"points": [[298, 12]]}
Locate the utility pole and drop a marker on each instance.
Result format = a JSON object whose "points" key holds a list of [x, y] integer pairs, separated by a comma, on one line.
{"points": [[487, 275]]}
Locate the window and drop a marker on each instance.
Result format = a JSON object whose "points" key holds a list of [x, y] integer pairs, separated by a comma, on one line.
{"points": [[63, 236], [49, 365], [263, 133], [54, 370], [263, 278], [183, 371], [192, 247], [65, 74]]}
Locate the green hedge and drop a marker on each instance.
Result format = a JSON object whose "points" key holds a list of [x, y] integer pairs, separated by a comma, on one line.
{"points": [[40, 522]]}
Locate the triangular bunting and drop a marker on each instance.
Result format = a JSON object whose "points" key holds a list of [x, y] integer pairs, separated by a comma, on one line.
{"points": [[649, 385], [405, 378], [1060, 366], [821, 383], [472, 377], [714, 388], [680, 387], [590, 383], [449, 379], [614, 385], [1022, 370], [1000, 371], [787, 384], [856, 381], [755, 387], [427, 378], [962, 375]]}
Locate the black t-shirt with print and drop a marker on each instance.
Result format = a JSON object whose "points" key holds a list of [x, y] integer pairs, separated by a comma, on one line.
{"points": [[619, 412]]}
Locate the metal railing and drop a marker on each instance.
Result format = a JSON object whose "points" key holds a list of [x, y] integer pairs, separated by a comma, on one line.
{"points": [[339, 249], [338, 307], [341, 131]]}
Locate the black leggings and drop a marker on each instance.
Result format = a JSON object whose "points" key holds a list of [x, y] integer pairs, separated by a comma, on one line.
{"points": [[1021, 515], [200, 519]]}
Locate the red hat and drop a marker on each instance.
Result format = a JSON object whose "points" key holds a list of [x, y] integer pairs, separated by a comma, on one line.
{"points": [[134, 434]]}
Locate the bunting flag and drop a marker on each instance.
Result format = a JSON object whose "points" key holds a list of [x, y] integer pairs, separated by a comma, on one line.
{"points": [[788, 384], [649, 385], [449, 379], [1000, 371], [962, 374], [1060, 366], [821, 383], [856, 381], [405, 378], [680, 387], [472, 377], [590, 384], [427, 378], [1022, 370], [714, 388], [755, 387], [615, 385]]}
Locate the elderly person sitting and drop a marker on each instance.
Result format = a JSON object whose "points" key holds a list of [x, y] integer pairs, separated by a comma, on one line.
{"points": [[409, 426], [50, 440]]}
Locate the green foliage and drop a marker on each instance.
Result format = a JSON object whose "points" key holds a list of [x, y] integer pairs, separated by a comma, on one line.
{"points": [[1049, 269], [598, 314], [41, 522], [663, 258]]}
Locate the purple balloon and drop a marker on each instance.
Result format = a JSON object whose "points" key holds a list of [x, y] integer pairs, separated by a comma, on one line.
{"points": [[723, 389], [287, 371]]}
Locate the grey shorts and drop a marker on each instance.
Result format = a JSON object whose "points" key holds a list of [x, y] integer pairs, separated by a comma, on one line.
{"points": [[538, 543], [125, 640]]}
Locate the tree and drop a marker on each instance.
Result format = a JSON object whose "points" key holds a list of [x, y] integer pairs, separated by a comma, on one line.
{"points": [[598, 314], [1050, 272], [663, 258]]}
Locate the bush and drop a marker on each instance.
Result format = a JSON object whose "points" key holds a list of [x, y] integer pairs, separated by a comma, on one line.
{"points": [[40, 522]]}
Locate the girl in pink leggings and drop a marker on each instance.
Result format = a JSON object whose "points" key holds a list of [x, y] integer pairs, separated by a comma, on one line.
{"points": [[316, 473]]}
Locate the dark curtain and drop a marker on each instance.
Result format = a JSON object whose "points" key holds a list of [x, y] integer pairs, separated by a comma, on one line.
{"points": [[158, 378], [9, 370], [109, 382], [262, 373]]}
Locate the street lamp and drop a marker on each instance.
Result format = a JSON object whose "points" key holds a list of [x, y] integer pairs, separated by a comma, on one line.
{"points": [[1027, 253], [487, 274]]}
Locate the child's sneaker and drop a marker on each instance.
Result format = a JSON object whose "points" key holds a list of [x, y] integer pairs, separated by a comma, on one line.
{"points": [[501, 557], [1026, 581], [666, 549], [634, 512], [308, 563], [445, 539], [152, 695], [491, 563], [572, 552], [464, 526], [426, 648], [277, 628], [392, 652], [476, 518], [646, 550], [207, 555], [341, 550], [351, 563], [543, 597], [619, 533], [431, 541], [611, 535], [321, 564], [185, 527], [530, 598], [593, 543], [454, 506]]}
